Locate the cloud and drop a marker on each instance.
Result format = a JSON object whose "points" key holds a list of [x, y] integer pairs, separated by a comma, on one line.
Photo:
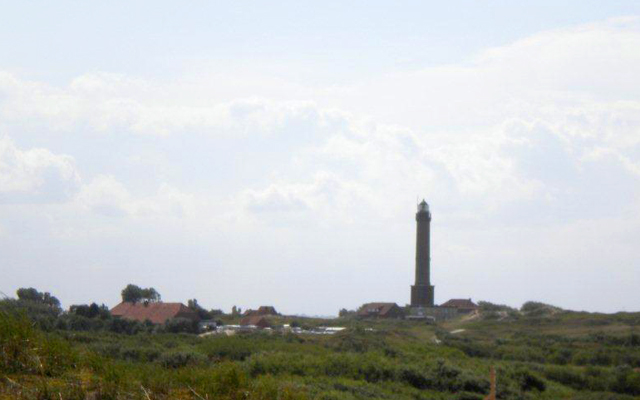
{"points": [[106, 196], [35, 175], [325, 200], [103, 103]]}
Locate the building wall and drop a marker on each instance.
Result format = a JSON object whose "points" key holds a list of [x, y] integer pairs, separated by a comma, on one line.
{"points": [[423, 249], [394, 312], [439, 313]]}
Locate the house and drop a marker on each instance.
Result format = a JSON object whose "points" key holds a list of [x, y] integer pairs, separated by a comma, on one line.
{"points": [[380, 310], [157, 313], [255, 320], [463, 306], [263, 310]]}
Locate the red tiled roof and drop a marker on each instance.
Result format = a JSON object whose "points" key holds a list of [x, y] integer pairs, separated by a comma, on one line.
{"points": [[460, 303], [158, 313], [380, 309], [256, 320]]}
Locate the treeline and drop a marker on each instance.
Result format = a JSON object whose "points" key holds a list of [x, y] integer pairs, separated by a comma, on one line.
{"points": [[45, 311]]}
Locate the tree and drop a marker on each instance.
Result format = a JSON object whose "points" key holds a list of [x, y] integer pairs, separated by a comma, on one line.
{"points": [[133, 294], [150, 294], [50, 300], [193, 304], [90, 311], [345, 313], [31, 294], [202, 313]]}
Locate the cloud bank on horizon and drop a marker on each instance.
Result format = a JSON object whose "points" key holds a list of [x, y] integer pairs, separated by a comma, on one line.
{"points": [[247, 188]]}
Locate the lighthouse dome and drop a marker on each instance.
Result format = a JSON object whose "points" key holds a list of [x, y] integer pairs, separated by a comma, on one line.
{"points": [[423, 206]]}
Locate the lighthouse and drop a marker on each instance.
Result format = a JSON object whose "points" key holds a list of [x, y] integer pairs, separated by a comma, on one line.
{"points": [[422, 291]]}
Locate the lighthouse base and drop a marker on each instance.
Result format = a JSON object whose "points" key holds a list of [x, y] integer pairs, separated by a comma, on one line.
{"points": [[422, 295]]}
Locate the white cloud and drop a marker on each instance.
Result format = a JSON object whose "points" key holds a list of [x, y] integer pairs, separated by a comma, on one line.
{"points": [[102, 103], [35, 175], [105, 195], [326, 200]]}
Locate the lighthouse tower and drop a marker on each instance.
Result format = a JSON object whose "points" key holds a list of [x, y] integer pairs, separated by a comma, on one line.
{"points": [[422, 291]]}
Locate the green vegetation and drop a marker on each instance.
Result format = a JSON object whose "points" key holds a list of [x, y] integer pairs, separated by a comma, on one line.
{"points": [[133, 294], [539, 352]]}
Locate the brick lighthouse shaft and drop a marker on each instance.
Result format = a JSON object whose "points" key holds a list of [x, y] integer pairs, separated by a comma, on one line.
{"points": [[422, 293]]}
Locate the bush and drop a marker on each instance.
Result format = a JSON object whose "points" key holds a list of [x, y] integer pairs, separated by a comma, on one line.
{"points": [[415, 378], [528, 381], [181, 359], [229, 347], [626, 381], [537, 309], [566, 376], [487, 306], [446, 376], [17, 344], [41, 314], [471, 383], [229, 379], [126, 326], [181, 325], [469, 396], [90, 311], [25, 350]]}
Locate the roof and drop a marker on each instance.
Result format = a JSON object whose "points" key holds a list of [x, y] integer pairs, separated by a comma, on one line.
{"points": [[376, 308], [423, 206], [157, 313], [460, 303], [256, 320]]}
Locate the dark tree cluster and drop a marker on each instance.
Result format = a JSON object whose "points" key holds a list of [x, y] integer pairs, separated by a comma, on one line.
{"points": [[31, 294], [134, 294], [90, 311], [202, 313], [346, 313]]}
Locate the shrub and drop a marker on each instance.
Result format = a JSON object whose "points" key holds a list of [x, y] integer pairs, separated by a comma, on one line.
{"points": [[528, 381], [181, 359], [487, 306], [626, 381], [90, 311], [471, 383], [566, 376], [181, 325], [17, 344], [415, 378], [25, 350], [229, 379], [230, 347], [537, 309], [446, 376], [126, 326], [469, 396]]}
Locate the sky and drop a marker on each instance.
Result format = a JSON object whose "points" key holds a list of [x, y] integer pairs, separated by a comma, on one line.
{"points": [[272, 153]]}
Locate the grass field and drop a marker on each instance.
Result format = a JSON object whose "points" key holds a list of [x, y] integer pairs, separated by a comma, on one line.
{"points": [[562, 355]]}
